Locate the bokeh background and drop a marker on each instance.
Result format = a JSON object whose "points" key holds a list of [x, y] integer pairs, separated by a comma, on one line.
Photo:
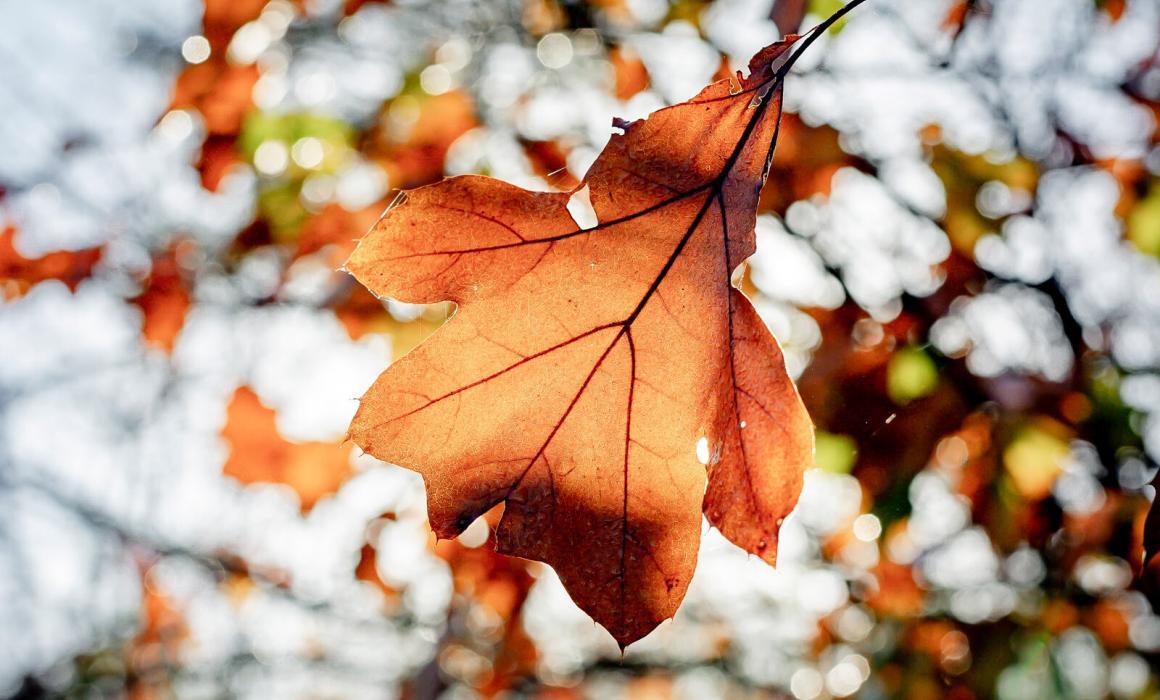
{"points": [[957, 247]]}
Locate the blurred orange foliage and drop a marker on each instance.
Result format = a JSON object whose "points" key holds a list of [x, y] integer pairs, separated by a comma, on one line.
{"points": [[164, 301], [259, 453], [18, 274]]}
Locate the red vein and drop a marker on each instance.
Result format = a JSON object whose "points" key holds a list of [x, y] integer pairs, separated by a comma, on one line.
{"points": [[485, 217], [498, 373], [627, 442], [571, 405], [716, 184], [733, 352], [562, 236]]}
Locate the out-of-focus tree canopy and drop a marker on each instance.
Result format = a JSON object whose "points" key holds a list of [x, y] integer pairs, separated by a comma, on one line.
{"points": [[958, 249]]}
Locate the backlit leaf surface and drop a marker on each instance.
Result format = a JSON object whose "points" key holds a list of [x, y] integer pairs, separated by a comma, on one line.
{"points": [[592, 378]]}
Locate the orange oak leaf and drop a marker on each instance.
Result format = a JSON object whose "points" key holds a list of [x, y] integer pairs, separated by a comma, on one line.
{"points": [[586, 367], [259, 453]]}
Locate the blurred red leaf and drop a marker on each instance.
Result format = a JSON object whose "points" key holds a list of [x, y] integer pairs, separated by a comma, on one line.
{"points": [[164, 301], [218, 155], [788, 15], [956, 15], [549, 161], [336, 226], [223, 17], [220, 91], [897, 594], [501, 584], [415, 132], [1114, 8], [1148, 544]]}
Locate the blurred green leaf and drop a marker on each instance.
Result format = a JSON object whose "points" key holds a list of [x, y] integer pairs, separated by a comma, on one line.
{"points": [[910, 375], [280, 207], [835, 453], [336, 135]]}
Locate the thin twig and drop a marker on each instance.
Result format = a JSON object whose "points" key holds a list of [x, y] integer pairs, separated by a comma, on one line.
{"points": [[812, 35]]}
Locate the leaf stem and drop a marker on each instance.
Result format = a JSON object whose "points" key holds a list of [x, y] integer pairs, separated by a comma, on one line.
{"points": [[813, 34]]}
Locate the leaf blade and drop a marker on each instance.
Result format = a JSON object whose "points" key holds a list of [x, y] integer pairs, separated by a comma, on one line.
{"points": [[583, 365]]}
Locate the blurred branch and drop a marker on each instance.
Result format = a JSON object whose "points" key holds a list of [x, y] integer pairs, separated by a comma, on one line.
{"points": [[213, 562]]}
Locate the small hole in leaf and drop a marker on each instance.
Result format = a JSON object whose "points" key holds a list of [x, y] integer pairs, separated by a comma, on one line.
{"points": [[703, 450], [581, 209], [475, 534]]}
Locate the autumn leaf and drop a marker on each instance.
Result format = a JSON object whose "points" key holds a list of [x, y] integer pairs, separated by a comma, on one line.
{"points": [[629, 71], [895, 594], [592, 376], [1146, 548], [956, 15], [499, 584], [158, 645], [549, 160], [1151, 533], [413, 136], [164, 301], [18, 273], [221, 92], [334, 226], [259, 453], [219, 156], [367, 570]]}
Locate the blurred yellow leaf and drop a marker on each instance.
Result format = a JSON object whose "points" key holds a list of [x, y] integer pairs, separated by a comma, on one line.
{"points": [[1034, 459], [1144, 223]]}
